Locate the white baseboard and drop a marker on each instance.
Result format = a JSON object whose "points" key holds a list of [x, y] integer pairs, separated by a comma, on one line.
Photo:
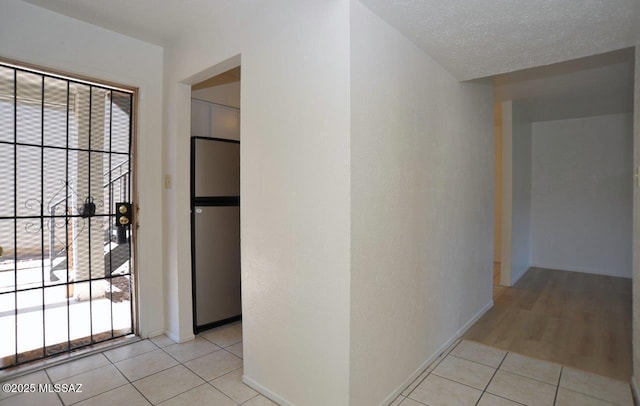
{"points": [[520, 275], [466, 326], [177, 339], [155, 333], [635, 390], [415, 374], [265, 392]]}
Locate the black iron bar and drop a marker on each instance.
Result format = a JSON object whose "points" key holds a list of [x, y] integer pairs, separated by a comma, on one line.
{"points": [[44, 339], [57, 216], [52, 244], [27, 144], [89, 219], [110, 205], [66, 220], [15, 206], [134, 214]]}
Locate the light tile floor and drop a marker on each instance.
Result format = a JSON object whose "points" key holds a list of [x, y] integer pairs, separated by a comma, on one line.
{"points": [[204, 371], [208, 371], [470, 373]]}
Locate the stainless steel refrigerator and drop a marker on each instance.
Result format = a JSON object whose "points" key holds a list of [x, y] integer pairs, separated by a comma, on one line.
{"points": [[215, 231]]}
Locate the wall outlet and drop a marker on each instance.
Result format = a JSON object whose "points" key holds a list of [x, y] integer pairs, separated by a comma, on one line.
{"points": [[168, 184]]}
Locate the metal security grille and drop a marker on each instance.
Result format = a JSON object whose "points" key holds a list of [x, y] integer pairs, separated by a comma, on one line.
{"points": [[65, 161]]}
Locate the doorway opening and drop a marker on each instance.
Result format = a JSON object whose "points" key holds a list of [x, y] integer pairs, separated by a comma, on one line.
{"points": [[215, 200], [498, 288], [66, 178], [563, 231]]}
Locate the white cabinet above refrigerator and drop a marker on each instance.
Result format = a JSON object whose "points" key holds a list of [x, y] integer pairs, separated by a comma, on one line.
{"points": [[214, 120]]}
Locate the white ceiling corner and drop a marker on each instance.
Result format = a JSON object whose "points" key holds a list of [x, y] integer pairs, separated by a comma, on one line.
{"points": [[155, 21]]}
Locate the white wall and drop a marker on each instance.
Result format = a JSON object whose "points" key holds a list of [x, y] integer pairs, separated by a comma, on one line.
{"points": [[507, 186], [421, 207], [497, 210], [33, 35], [521, 194], [581, 199], [295, 185], [516, 193], [636, 229]]}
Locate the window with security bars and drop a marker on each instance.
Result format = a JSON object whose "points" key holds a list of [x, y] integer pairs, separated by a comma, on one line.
{"points": [[65, 265]]}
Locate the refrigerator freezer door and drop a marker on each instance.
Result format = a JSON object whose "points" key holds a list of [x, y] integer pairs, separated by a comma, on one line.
{"points": [[217, 168], [217, 263]]}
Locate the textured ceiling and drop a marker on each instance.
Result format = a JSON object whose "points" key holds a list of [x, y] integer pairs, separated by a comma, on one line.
{"points": [[479, 38], [590, 86]]}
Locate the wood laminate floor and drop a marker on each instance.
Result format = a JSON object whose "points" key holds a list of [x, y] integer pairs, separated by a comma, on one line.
{"points": [[575, 319]]}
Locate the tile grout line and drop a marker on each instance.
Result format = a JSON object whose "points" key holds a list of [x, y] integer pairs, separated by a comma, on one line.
{"points": [[593, 397], [502, 397], [97, 394], [208, 382], [248, 400], [132, 382], [528, 377], [442, 356], [226, 373], [589, 395], [129, 382], [51, 381], [461, 383], [195, 387], [222, 346], [555, 398], [127, 378], [133, 356], [80, 373], [235, 355], [491, 379], [512, 373], [220, 390], [157, 372], [454, 381], [189, 360], [417, 401], [205, 382], [470, 360]]}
